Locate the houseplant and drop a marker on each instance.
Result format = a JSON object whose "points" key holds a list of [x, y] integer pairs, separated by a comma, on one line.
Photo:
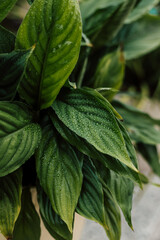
{"points": [[61, 129]]}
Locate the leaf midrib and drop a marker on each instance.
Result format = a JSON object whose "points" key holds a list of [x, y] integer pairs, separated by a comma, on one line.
{"points": [[43, 68]]}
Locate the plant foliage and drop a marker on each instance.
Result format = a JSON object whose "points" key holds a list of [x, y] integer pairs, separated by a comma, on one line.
{"points": [[60, 124]]}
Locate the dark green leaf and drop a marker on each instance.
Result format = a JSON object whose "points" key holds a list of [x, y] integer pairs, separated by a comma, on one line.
{"points": [[56, 227], [28, 223], [10, 202], [121, 189], [12, 66], [96, 13], [112, 216], [7, 40], [56, 33], [91, 202], [19, 136], [150, 154], [89, 7], [92, 119], [141, 126], [5, 7], [59, 172], [110, 71], [114, 23], [83, 146], [141, 8]]}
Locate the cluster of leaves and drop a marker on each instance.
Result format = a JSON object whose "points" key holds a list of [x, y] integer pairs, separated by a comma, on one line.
{"points": [[58, 129]]}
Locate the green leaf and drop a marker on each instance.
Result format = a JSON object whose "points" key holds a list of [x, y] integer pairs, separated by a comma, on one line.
{"points": [[143, 7], [108, 93], [7, 40], [113, 25], [141, 126], [28, 223], [110, 71], [89, 7], [59, 172], [12, 66], [91, 202], [150, 153], [83, 146], [56, 33], [96, 13], [54, 224], [121, 189], [19, 136], [112, 216], [5, 7], [92, 119], [10, 202], [135, 47]]}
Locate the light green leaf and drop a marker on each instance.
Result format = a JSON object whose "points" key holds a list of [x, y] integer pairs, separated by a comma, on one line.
{"points": [[10, 202], [12, 66], [56, 227], [150, 153], [91, 202], [121, 189], [141, 126], [7, 40], [83, 146], [112, 216], [19, 136], [110, 71], [143, 7], [5, 7], [148, 32], [59, 172], [92, 119], [56, 33], [28, 223]]}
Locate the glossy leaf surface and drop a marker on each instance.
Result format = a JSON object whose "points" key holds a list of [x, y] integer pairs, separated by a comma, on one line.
{"points": [[54, 224], [10, 202], [19, 136], [28, 223], [56, 34], [91, 202], [59, 172], [93, 120], [83, 146], [5, 7], [12, 66]]}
